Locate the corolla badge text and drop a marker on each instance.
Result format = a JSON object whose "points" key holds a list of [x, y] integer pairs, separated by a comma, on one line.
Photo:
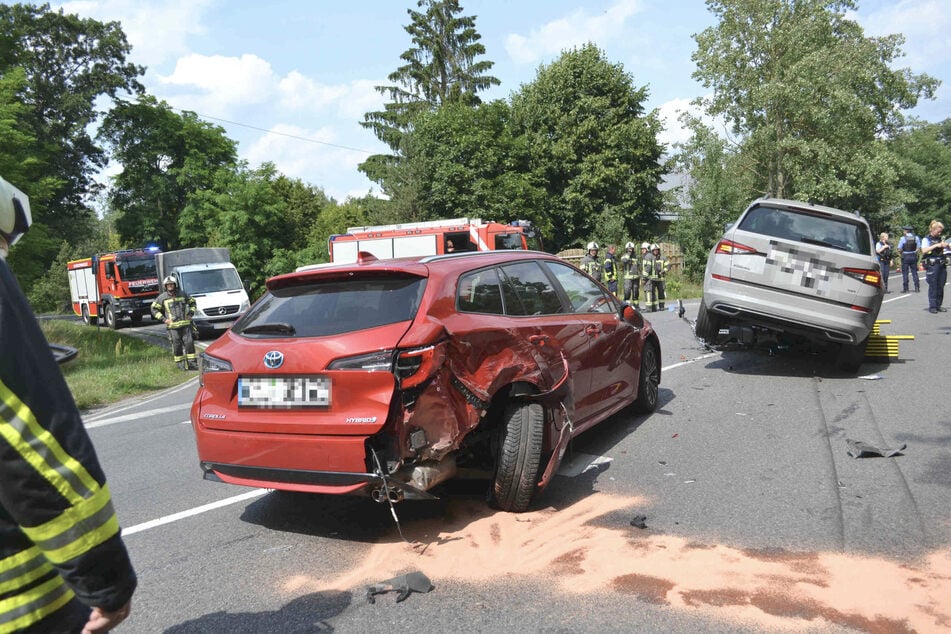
{"points": [[274, 359]]}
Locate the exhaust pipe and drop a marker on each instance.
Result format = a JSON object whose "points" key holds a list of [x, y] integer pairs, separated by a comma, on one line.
{"points": [[388, 494]]}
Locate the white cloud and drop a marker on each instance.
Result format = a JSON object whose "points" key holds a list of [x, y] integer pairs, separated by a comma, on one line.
{"points": [[311, 156], [218, 84], [573, 30], [926, 25], [157, 31], [350, 101]]}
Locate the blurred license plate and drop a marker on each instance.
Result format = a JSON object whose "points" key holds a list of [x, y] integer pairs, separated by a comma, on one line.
{"points": [[283, 391]]}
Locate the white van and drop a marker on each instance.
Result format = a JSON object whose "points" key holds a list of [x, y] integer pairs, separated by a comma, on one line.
{"points": [[208, 276]]}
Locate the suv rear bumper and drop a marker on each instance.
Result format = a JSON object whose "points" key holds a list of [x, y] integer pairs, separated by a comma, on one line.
{"points": [[781, 312]]}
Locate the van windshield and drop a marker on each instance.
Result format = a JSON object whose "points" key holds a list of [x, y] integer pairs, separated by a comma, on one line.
{"points": [[210, 281]]}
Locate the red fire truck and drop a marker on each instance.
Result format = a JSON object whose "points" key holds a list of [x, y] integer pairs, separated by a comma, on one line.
{"points": [[113, 286], [433, 237]]}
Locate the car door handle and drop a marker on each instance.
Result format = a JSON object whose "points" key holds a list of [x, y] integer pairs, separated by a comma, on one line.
{"points": [[592, 329], [538, 340]]}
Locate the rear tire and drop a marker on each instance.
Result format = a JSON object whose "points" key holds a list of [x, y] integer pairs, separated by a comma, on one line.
{"points": [[850, 357], [519, 457], [707, 326], [89, 321], [648, 385]]}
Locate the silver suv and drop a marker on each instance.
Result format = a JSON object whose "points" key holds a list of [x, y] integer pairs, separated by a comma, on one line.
{"points": [[793, 268]]}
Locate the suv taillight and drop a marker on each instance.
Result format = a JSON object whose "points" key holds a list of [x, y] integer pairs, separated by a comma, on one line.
{"points": [[871, 277], [416, 365], [728, 247]]}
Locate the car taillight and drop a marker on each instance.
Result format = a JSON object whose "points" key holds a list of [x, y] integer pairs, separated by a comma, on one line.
{"points": [[208, 363], [728, 247], [871, 277], [416, 365], [373, 362]]}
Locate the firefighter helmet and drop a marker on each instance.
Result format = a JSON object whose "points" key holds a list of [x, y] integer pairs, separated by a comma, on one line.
{"points": [[169, 279], [644, 245], [593, 245], [655, 246], [15, 217], [630, 245]]}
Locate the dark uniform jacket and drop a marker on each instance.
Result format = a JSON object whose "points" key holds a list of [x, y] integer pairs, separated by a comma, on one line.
{"points": [[179, 307], [59, 536]]}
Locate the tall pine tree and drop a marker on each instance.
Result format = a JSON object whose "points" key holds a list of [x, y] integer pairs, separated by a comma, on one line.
{"points": [[441, 67]]}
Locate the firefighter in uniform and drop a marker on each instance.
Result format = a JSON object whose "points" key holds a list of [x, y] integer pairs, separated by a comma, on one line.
{"points": [[63, 565], [655, 268], [611, 269], [176, 310], [590, 263], [631, 270], [645, 255]]}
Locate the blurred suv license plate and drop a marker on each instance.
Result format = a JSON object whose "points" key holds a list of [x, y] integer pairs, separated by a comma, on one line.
{"points": [[283, 391]]}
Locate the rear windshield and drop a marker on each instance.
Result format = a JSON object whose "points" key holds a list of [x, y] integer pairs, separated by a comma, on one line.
{"points": [[810, 228], [333, 307]]}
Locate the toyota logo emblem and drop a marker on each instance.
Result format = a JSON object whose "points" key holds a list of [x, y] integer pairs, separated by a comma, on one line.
{"points": [[274, 359]]}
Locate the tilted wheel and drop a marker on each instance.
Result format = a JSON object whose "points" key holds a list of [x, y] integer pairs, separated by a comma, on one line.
{"points": [[708, 324], [520, 448], [648, 385]]}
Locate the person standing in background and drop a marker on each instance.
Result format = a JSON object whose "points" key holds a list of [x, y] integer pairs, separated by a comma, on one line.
{"points": [[884, 251], [631, 269], [908, 246], [611, 269], [936, 272]]}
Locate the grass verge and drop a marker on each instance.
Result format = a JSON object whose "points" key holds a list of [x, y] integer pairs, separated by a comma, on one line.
{"points": [[111, 366]]}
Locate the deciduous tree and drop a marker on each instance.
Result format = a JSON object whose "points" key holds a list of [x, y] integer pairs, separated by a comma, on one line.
{"points": [[593, 148]]}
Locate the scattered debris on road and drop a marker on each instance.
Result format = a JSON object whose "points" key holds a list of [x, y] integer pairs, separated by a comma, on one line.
{"points": [[404, 585], [639, 521], [859, 449]]}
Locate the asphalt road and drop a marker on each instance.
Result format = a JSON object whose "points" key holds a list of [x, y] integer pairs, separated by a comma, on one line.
{"points": [[755, 517]]}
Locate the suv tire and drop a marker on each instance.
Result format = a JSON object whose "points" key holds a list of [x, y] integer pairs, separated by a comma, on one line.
{"points": [[520, 448], [707, 326], [649, 381]]}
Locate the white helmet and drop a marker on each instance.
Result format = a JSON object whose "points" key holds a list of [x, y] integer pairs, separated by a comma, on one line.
{"points": [[644, 245], [655, 246], [593, 245], [630, 245], [169, 279], [15, 217]]}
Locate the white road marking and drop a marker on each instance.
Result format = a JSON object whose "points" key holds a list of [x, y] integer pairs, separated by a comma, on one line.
{"points": [[168, 519], [137, 415]]}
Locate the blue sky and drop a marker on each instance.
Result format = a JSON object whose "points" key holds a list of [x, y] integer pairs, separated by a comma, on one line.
{"points": [[290, 80]]}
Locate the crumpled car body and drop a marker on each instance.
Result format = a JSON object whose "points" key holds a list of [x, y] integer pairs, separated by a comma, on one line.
{"points": [[387, 377]]}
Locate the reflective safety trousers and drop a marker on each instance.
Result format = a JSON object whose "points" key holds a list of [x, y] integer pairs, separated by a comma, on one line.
{"points": [[59, 536]]}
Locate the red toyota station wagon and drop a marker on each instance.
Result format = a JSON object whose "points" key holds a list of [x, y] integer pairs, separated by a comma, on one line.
{"points": [[388, 377]]}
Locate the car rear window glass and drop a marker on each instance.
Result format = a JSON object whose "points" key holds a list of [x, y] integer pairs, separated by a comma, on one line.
{"points": [[811, 228], [479, 292], [333, 307], [585, 296], [528, 291]]}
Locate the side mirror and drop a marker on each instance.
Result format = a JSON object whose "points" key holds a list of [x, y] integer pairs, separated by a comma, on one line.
{"points": [[632, 316]]}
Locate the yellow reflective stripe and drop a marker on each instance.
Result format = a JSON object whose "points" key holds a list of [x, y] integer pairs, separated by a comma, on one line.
{"points": [[34, 605], [77, 529], [22, 568], [179, 324], [40, 449]]}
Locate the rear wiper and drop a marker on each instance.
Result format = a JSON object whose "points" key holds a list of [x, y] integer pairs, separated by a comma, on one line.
{"points": [[276, 327], [821, 243]]}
